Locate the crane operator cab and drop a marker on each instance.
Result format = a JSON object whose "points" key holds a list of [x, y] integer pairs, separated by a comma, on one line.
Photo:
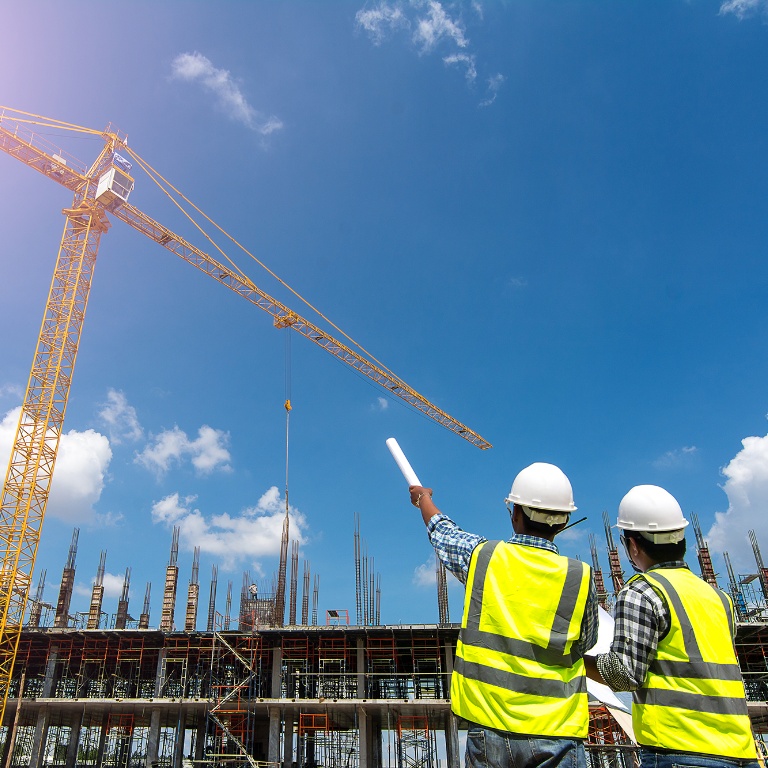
{"points": [[115, 184]]}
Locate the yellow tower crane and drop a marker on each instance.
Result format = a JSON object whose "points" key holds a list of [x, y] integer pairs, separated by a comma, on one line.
{"points": [[104, 188]]}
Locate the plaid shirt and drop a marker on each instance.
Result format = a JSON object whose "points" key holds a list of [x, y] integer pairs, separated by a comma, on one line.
{"points": [[642, 619], [454, 548]]}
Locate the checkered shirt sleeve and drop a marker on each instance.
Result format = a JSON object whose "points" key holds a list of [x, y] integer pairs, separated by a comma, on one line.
{"points": [[642, 619], [454, 548]]}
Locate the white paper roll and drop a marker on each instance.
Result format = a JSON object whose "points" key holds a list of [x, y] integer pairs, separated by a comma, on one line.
{"points": [[402, 462]]}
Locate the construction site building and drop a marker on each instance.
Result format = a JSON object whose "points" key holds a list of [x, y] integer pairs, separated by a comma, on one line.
{"points": [[341, 696]]}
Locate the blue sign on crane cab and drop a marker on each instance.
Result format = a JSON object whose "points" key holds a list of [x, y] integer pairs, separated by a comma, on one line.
{"points": [[121, 162]]}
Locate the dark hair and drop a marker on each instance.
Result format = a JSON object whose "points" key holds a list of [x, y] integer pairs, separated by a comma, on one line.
{"points": [[533, 526], [659, 553]]}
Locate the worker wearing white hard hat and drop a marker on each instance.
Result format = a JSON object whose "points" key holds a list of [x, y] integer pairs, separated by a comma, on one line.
{"points": [[673, 647], [530, 614]]}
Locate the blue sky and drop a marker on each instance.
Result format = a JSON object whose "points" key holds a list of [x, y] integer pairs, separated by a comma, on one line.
{"points": [[548, 218]]}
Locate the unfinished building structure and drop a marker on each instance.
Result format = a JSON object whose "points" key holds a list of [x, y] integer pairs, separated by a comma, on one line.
{"points": [[251, 691]]}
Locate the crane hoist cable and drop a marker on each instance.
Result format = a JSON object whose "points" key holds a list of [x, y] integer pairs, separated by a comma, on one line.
{"points": [[154, 173], [288, 405]]}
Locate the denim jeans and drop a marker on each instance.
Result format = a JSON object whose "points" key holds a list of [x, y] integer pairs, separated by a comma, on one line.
{"points": [[490, 749], [652, 759]]}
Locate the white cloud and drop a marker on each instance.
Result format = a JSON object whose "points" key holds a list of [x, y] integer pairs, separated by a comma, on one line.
{"points": [[431, 27], [381, 404], [208, 451], [436, 26], [107, 519], [467, 60], [424, 575], [253, 534], [113, 585], [517, 282], [380, 20], [743, 8], [12, 389], [677, 458], [194, 67], [120, 418], [746, 486], [78, 478], [494, 83]]}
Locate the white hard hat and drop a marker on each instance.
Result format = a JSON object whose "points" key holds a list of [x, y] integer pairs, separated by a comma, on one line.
{"points": [[543, 486], [654, 513]]}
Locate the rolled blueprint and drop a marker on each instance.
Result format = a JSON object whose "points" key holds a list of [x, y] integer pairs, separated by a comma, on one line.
{"points": [[402, 462]]}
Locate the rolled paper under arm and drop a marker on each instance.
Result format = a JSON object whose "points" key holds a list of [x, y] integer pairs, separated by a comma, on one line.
{"points": [[402, 462]]}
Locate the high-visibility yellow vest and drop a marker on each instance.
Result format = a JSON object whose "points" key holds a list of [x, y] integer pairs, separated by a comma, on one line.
{"points": [[693, 698], [516, 669]]}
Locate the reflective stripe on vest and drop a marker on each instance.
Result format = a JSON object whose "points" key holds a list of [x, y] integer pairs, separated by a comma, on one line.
{"points": [[693, 698], [520, 682]]}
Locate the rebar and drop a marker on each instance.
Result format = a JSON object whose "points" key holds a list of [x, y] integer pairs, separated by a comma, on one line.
{"points": [[294, 582], [212, 600], [171, 579], [144, 618], [36, 609], [358, 593], [280, 592], [441, 579], [617, 574], [122, 605], [61, 619], [315, 599], [602, 595], [228, 608], [305, 595], [705, 561]]}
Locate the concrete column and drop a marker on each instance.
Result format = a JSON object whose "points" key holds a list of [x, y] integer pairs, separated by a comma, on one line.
{"points": [[360, 668], [363, 728], [181, 732], [452, 741], [273, 749], [102, 741], [200, 737], [38, 741], [377, 746], [277, 670], [50, 671], [153, 741], [74, 738], [159, 673], [288, 740]]}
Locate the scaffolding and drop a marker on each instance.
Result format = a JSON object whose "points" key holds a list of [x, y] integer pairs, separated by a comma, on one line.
{"points": [[607, 744], [236, 677], [416, 743]]}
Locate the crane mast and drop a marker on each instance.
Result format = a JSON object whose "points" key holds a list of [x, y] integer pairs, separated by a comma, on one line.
{"points": [[33, 455]]}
